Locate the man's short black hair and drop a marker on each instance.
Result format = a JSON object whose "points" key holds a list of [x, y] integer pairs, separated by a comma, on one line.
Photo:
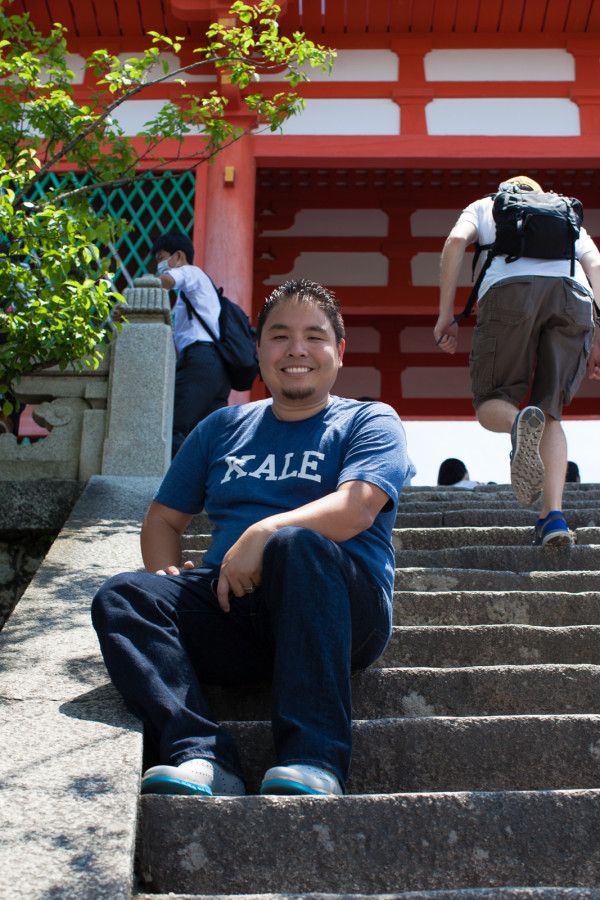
{"points": [[304, 291], [172, 242], [451, 471]]}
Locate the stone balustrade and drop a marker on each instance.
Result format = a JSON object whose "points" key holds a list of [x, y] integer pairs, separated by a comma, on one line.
{"points": [[115, 419]]}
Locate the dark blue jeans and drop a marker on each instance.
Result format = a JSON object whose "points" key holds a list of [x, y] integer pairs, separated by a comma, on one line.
{"points": [[202, 385], [316, 617]]}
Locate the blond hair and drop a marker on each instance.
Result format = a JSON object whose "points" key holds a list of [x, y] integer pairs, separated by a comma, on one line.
{"points": [[525, 181]]}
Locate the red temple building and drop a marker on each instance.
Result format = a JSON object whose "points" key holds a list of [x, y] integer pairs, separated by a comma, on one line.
{"points": [[430, 105]]}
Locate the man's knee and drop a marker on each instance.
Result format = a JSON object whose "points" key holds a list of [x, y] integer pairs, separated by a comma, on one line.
{"points": [[115, 594], [296, 539]]}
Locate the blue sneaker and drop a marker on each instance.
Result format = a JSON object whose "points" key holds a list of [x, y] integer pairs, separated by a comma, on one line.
{"points": [[553, 530], [526, 466], [198, 777], [300, 779]]}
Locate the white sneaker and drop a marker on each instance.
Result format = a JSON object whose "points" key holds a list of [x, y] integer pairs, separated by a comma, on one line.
{"points": [[300, 779], [201, 777], [526, 466]]}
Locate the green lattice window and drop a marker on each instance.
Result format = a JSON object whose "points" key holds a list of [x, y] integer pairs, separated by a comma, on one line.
{"points": [[153, 206]]}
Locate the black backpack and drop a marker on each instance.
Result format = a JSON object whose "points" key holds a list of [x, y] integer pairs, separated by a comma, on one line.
{"points": [[237, 344], [535, 224]]}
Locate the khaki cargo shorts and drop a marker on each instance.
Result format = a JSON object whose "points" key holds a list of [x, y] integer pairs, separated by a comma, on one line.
{"points": [[532, 331]]}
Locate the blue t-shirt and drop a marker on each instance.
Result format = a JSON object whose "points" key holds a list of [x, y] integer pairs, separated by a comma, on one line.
{"points": [[242, 464]]}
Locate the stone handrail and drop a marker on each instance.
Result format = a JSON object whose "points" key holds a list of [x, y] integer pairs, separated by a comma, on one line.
{"points": [[112, 420]]}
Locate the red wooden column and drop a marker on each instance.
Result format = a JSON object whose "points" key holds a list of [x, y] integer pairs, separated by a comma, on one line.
{"points": [[413, 93], [586, 90], [229, 226], [229, 236]]}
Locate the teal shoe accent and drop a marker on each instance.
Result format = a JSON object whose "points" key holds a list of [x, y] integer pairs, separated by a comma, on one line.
{"points": [[169, 784]]}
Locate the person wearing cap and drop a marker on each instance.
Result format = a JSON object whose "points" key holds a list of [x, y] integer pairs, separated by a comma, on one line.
{"points": [[534, 331], [202, 382]]}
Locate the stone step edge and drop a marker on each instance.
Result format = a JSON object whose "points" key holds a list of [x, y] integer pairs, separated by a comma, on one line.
{"points": [[502, 893], [489, 838]]}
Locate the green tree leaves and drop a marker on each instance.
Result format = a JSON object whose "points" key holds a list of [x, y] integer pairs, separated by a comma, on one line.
{"points": [[55, 283]]}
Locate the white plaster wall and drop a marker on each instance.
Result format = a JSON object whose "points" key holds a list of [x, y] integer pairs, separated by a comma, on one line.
{"points": [[362, 340], [433, 222], [174, 64], [352, 65], [439, 222], [74, 62], [536, 116], [133, 115], [425, 270], [353, 269], [443, 382], [499, 65], [418, 339], [344, 116], [358, 381], [337, 223], [591, 221]]}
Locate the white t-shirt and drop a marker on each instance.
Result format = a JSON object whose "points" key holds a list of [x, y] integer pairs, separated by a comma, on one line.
{"points": [[200, 292], [480, 215]]}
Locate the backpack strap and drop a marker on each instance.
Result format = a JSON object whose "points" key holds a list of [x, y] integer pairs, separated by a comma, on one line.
{"points": [[479, 248], [192, 311]]}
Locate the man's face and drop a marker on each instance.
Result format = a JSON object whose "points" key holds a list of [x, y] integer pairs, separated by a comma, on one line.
{"points": [[173, 260], [298, 353]]}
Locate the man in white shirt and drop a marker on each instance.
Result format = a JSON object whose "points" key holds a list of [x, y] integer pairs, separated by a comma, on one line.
{"points": [[534, 330], [202, 383]]}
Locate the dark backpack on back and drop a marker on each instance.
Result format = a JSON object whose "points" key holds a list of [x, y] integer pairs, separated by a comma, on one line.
{"points": [[237, 343], [535, 224]]}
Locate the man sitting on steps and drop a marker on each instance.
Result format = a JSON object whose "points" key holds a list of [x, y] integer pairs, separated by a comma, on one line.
{"points": [[534, 329], [297, 583]]}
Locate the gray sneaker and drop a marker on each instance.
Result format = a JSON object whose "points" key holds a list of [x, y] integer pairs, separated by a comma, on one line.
{"points": [[526, 466], [300, 779], [197, 777]]}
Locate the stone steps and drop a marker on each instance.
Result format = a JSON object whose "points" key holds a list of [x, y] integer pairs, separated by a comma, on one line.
{"points": [[476, 761], [488, 607], [438, 753], [473, 517], [434, 538], [453, 579], [515, 893], [372, 844], [491, 690], [516, 559], [485, 645], [503, 536]]}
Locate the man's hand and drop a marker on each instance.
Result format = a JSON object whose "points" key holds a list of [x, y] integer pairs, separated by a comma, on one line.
{"points": [[352, 508], [446, 333], [173, 570], [241, 569], [593, 363]]}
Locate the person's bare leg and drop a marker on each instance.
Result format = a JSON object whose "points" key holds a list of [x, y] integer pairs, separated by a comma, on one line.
{"points": [[526, 467], [497, 415], [553, 450]]}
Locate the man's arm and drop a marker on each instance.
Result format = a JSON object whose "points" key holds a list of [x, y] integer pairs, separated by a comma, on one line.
{"points": [[593, 363], [352, 508], [161, 538], [463, 234], [590, 263], [167, 281]]}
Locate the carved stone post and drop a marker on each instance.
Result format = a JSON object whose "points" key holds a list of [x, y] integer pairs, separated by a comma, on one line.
{"points": [[141, 385]]}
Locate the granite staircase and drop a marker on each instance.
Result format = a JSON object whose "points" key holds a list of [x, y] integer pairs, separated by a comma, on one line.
{"points": [[476, 763]]}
